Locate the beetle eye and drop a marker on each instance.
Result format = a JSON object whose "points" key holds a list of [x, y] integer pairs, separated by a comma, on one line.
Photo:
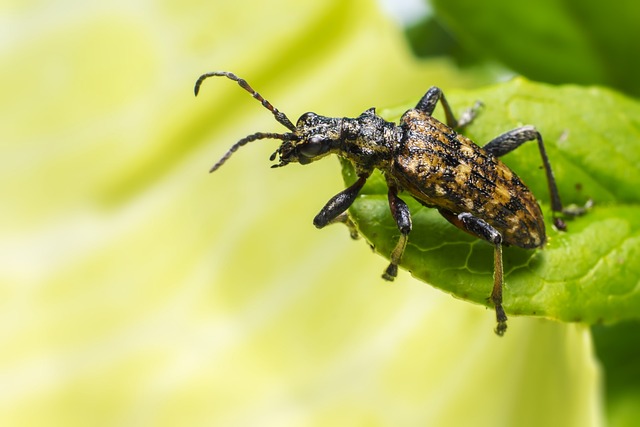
{"points": [[313, 146]]}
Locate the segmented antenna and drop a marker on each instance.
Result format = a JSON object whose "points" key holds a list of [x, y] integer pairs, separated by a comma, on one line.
{"points": [[247, 139], [280, 117]]}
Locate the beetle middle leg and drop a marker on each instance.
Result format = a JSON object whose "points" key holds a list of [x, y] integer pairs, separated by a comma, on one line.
{"points": [[511, 140], [402, 216], [485, 231]]}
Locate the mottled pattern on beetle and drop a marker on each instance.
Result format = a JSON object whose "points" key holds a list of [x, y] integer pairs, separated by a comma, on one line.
{"points": [[311, 124], [368, 140], [443, 169]]}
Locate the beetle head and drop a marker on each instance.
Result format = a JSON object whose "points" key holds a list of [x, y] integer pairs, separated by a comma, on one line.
{"points": [[313, 138]]}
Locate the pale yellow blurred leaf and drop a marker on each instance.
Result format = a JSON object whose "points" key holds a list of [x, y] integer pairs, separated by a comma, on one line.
{"points": [[138, 290]]}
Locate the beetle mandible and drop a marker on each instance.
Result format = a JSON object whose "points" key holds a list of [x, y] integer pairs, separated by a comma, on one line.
{"points": [[440, 168]]}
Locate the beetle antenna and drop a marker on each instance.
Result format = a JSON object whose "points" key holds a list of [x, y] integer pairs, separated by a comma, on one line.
{"points": [[280, 116], [250, 138]]}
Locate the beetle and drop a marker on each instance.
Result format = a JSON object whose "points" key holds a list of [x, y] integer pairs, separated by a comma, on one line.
{"points": [[469, 185]]}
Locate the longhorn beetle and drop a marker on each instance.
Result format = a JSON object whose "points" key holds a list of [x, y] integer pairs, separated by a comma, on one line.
{"points": [[468, 184]]}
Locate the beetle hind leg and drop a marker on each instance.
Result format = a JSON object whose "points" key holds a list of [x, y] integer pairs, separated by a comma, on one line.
{"points": [[511, 140], [496, 292], [485, 231]]}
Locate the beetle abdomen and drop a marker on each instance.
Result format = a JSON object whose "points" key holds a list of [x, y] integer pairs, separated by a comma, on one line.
{"points": [[443, 169]]}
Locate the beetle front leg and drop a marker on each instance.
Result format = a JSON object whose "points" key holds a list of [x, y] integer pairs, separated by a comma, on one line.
{"points": [[344, 218], [511, 140], [339, 203], [402, 216]]}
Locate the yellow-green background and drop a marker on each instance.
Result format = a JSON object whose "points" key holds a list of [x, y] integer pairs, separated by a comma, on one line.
{"points": [[137, 290]]}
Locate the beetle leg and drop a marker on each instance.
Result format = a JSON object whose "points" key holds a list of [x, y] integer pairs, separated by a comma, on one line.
{"points": [[428, 103], [339, 203], [485, 231], [402, 216], [344, 219], [511, 140], [496, 292]]}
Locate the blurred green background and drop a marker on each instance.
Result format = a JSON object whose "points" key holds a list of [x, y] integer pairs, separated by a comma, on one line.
{"points": [[138, 290]]}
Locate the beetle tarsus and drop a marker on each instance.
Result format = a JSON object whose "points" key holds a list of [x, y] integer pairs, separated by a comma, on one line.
{"points": [[501, 327], [390, 273], [570, 212], [344, 218], [469, 115], [559, 224]]}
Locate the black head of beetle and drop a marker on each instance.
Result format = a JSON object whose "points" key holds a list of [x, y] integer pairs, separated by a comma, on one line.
{"points": [[313, 138]]}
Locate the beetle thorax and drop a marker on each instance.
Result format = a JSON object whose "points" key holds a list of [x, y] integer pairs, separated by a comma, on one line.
{"points": [[369, 140]]}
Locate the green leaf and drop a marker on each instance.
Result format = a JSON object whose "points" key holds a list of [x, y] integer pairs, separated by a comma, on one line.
{"points": [[589, 273], [428, 38], [618, 353], [559, 42]]}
